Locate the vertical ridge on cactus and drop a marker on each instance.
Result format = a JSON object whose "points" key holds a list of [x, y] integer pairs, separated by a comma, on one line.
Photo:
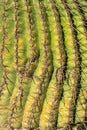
{"points": [[43, 65], [49, 113], [82, 36]]}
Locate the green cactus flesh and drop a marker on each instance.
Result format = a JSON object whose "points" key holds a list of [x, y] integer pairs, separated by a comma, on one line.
{"points": [[43, 64]]}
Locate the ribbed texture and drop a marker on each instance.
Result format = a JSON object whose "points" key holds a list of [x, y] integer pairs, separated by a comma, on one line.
{"points": [[43, 64]]}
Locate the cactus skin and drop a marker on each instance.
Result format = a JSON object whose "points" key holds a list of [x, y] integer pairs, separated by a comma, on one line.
{"points": [[43, 64], [82, 36]]}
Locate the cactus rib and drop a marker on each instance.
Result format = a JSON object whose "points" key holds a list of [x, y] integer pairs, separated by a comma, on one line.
{"points": [[49, 113]]}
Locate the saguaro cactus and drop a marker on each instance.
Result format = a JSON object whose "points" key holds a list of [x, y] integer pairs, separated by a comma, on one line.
{"points": [[43, 64]]}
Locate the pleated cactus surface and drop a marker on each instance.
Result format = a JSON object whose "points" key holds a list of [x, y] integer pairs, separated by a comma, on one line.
{"points": [[43, 65]]}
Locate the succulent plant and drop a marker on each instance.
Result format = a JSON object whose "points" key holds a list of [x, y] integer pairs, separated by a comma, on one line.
{"points": [[43, 64]]}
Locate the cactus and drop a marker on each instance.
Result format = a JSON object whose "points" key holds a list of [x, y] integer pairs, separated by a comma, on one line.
{"points": [[43, 64]]}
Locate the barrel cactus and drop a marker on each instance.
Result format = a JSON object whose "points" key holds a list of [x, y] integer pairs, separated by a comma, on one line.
{"points": [[43, 64]]}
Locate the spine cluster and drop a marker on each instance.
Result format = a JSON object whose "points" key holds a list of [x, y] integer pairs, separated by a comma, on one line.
{"points": [[43, 64]]}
